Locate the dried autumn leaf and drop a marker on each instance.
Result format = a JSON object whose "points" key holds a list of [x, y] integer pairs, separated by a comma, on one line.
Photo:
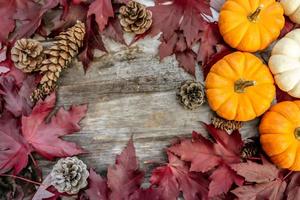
{"points": [[92, 40], [45, 137], [293, 188], [266, 180], [124, 178], [42, 192], [283, 96], [102, 9], [29, 15], [7, 25], [170, 16], [205, 155], [97, 187], [14, 150], [175, 177], [146, 194], [17, 100]]}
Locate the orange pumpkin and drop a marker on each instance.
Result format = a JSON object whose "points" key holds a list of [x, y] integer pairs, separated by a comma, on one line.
{"points": [[251, 25], [280, 134], [240, 87]]}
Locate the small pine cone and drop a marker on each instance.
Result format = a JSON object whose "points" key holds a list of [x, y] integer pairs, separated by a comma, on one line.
{"points": [[134, 17], [191, 94], [69, 175], [27, 54], [250, 149], [226, 125], [58, 57]]}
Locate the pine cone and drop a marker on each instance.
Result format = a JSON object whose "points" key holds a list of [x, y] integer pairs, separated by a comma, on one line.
{"points": [[250, 149], [58, 57], [134, 17], [226, 125], [69, 175], [191, 94], [27, 54]]}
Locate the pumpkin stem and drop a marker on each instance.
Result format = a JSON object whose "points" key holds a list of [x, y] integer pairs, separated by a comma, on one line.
{"points": [[297, 133], [253, 16], [240, 85]]}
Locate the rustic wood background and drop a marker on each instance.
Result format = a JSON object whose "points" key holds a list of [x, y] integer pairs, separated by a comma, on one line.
{"points": [[130, 93]]}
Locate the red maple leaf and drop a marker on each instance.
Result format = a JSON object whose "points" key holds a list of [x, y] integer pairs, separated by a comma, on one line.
{"points": [[124, 178], [44, 137], [175, 177], [92, 40], [267, 181], [97, 187], [205, 155], [146, 194], [179, 15], [293, 188], [7, 25], [14, 150], [180, 23], [17, 100], [102, 9]]}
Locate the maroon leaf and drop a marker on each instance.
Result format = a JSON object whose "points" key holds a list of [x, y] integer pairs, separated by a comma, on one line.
{"points": [[283, 96], [293, 189], [3, 52], [97, 187], [44, 137], [175, 177], [14, 150], [114, 30], [17, 100], [29, 14], [222, 179], [273, 190], [187, 61], [254, 172], [93, 40], [146, 194], [7, 25], [210, 37], [205, 155], [179, 15], [124, 178], [102, 9], [288, 26]]}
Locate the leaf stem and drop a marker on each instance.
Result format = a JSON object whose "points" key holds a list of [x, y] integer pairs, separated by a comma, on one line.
{"points": [[21, 178], [287, 175], [37, 167]]}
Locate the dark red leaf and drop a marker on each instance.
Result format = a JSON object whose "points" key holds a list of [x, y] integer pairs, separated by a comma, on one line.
{"points": [[114, 30], [124, 178], [273, 190], [222, 179], [283, 96], [97, 188], [175, 177], [146, 194], [14, 150], [93, 40], [102, 9], [288, 26], [3, 52], [179, 15], [167, 47], [45, 137], [293, 188], [221, 52], [187, 60], [17, 100], [29, 14], [7, 25]]}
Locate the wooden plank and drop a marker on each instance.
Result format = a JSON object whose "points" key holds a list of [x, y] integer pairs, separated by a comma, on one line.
{"points": [[129, 93]]}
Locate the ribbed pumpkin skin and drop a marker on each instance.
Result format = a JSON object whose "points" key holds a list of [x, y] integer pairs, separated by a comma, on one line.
{"points": [[251, 35], [231, 104], [277, 134]]}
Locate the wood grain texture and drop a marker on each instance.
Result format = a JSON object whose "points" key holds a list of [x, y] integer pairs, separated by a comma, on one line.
{"points": [[130, 93]]}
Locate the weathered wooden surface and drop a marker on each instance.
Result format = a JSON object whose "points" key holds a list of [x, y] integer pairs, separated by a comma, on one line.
{"points": [[130, 93]]}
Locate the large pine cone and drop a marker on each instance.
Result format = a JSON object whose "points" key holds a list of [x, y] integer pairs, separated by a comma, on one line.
{"points": [[134, 17], [191, 94], [27, 54], [69, 175], [58, 57]]}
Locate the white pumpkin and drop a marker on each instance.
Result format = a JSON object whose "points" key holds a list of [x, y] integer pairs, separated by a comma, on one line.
{"points": [[292, 9], [285, 63]]}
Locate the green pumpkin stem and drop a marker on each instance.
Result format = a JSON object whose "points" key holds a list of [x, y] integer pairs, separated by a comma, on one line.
{"points": [[253, 16], [240, 85], [297, 133]]}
